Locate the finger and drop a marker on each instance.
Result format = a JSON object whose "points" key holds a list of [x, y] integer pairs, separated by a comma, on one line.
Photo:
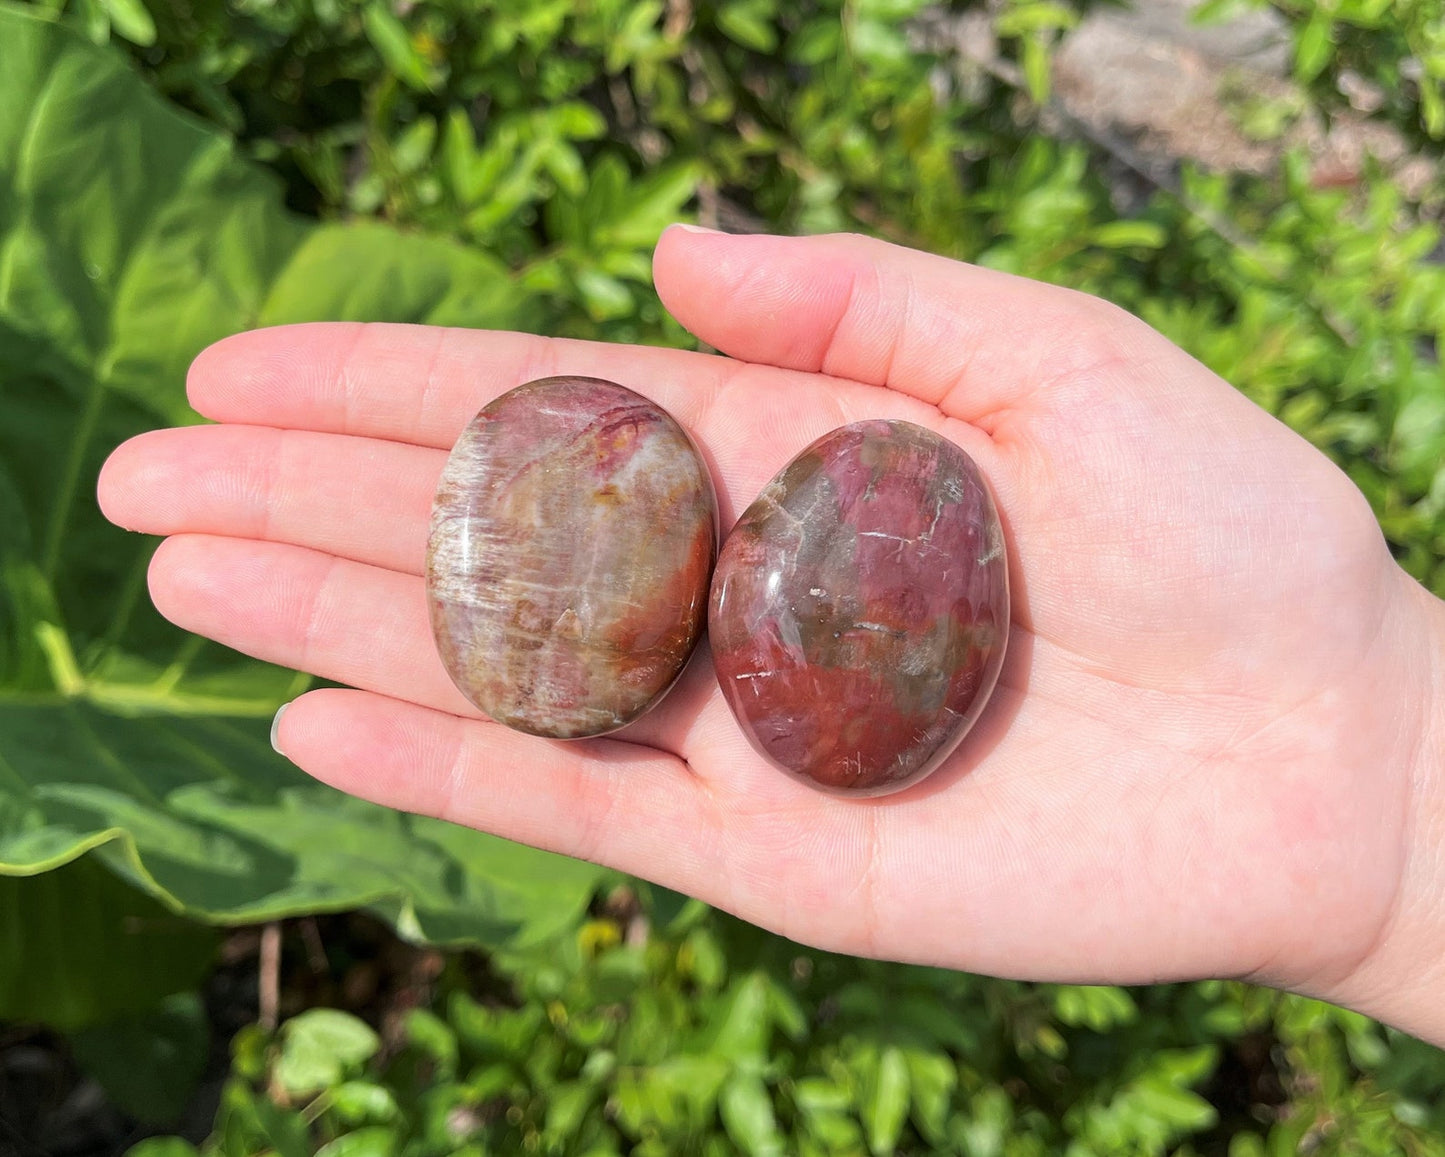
{"points": [[969, 340], [359, 498], [605, 800], [772, 856], [419, 384], [342, 620]]}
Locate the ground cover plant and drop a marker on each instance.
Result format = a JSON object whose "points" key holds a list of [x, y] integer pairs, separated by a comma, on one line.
{"points": [[172, 171]]}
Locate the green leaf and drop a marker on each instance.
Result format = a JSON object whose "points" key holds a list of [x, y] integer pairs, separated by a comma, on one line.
{"points": [[603, 295], [1037, 67], [816, 1095], [78, 946], [434, 1038], [1039, 16], [750, 24], [884, 1106], [374, 1141], [1314, 46], [413, 149], [1129, 234], [747, 1115], [149, 1064], [932, 1079], [567, 1107], [342, 272], [576, 121], [285, 1131], [1218, 11], [318, 1048], [878, 44], [131, 20], [388, 35], [817, 41], [1099, 1007], [357, 1102], [741, 1025], [648, 207], [132, 239]]}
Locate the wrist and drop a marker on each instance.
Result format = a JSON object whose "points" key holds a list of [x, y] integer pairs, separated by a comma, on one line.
{"points": [[1401, 979]]}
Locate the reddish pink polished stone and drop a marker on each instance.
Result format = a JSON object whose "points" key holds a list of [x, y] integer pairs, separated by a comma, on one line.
{"points": [[860, 608], [572, 538]]}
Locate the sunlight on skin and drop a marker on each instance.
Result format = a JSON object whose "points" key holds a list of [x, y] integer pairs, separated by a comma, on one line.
{"points": [[1209, 752]]}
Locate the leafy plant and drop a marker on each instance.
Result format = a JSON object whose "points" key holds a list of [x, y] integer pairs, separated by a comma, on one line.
{"points": [[708, 1037], [131, 236]]}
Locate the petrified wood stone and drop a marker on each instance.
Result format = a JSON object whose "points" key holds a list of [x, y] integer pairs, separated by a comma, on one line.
{"points": [[572, 538], [860, 608]]}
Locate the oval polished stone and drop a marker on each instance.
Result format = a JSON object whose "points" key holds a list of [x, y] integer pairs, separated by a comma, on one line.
{"points": [[860, 608], [572, 539]]}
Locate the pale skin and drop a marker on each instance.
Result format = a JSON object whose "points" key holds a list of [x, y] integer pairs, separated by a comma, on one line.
{"points": [[1218, 741]]}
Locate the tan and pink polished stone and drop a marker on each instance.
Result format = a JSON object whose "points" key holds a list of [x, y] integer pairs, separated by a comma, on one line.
{"points": [[572, 538], [860, 608]]}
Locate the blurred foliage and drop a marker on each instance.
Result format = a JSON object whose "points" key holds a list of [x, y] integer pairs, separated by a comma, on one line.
{"points": [[708, 1037], [560, 136], [511, 162]]}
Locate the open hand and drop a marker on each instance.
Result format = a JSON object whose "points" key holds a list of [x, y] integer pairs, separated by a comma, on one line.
{"points": [[1198, 760]]}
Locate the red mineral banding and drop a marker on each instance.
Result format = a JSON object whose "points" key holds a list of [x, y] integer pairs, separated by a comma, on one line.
{"points": [[860, 608], [572, 537]]}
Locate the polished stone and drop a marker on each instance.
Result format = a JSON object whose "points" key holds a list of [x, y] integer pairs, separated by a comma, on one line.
{"points": [[572, 538], [860, 608]]}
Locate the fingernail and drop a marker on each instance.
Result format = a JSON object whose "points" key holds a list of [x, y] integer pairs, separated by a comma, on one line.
{"points": [[276, 726], [689, 227]]}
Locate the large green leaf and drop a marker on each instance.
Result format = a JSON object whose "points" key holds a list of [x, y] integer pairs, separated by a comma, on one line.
{"points": [[78, 947], [130, 237]]}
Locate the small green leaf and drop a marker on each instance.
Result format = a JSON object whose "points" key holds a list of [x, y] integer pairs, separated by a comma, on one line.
{"points": [[747, 1115], [819, 40], [357, 1102], [388, 35], [1129, 235], [567, 1107], [413, 148], [319, 1046], [877, 43], [375, 1141], [432, 1036], [932, 1078], [1432, 106], [565, 164], [816, 1095], [1218, 11], [576, 121], [1314, 47], [1036, 67], [604, 296], [884, 1106], [648, 206], [740, 1028], [1041, 16], [1098, 1007], [749, 24], [131, 19], [285, 1130]]}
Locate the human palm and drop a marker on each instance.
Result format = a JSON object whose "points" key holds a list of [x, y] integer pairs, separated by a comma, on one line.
{"points": [[1180, 774]]}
